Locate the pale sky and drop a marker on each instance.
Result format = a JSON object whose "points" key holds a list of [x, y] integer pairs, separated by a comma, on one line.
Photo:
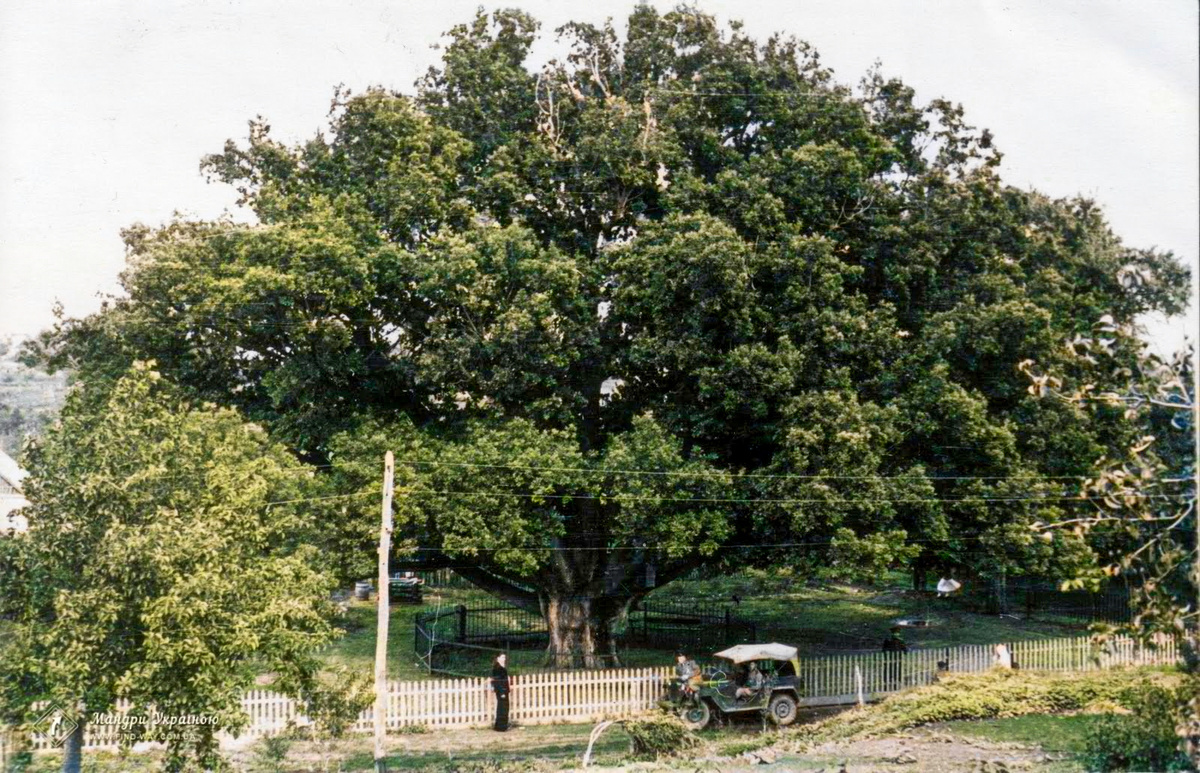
{"points": [[106, 106]]}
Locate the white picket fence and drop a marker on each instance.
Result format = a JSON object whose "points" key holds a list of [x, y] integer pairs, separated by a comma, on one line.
{"points": [[535, 699], [837, 679], [589, 696]]}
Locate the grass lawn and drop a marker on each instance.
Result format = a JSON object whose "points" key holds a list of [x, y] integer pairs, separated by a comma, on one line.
{"points": [[790, 610], [554, 747], [356, 649], [99, 762], [786, 609], [1052, 733]]}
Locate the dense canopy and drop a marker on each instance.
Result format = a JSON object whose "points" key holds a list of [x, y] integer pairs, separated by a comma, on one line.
{"points": [[676, 292]]}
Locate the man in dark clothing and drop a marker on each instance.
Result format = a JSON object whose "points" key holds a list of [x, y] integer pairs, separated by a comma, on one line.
{"points": [[894, 669], [500, 687]]}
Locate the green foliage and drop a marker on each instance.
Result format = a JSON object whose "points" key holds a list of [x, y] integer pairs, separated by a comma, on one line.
{"points": [[869, 558], [334, 701], [1143, 524], [163, 564], [270, 754], [658, 736], [687, 252], [739, 747], [413, 730], [1145, 738], [996, 694]]}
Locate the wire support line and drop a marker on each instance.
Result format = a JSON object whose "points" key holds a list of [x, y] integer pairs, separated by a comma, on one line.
{"points": [[651, 546], [321, 499], [766, 500], [722, 476], [709, 473]]}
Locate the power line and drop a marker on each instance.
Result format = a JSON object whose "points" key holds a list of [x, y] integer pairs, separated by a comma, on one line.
{"points": [[717, 473], [736, 500], [728, 477], [764, 500]]}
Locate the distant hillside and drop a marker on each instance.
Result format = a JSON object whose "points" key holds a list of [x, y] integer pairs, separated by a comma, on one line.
{"points": [[29, 399]]}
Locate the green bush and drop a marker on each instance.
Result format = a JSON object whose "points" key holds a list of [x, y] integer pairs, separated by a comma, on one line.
{"points": [[412, 730], [659, 736], [496, 765], [1144, 739], [270, 753], [986, 696]]}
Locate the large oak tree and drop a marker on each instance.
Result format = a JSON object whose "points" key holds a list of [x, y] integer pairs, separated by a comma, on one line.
{"points": [[677, 251]]}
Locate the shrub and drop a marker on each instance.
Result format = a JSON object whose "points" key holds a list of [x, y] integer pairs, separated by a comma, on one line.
{"points": [[985, 696], [270, 753], [1144, 739], [412, 730], [659, 736], [497, 765]]}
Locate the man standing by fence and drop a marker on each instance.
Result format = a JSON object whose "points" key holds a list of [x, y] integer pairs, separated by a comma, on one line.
{"points": [[500, 687], [894, 647]]}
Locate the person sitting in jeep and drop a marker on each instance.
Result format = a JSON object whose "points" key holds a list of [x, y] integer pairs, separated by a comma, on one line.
{"points": [[753, 684], [687, 672]]}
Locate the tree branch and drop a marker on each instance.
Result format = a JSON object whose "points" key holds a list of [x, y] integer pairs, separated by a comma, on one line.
{"points": [[493, 583]]}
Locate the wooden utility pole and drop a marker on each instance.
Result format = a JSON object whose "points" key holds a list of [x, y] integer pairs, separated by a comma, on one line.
{"points": [[1196, 447], [381, 636]]}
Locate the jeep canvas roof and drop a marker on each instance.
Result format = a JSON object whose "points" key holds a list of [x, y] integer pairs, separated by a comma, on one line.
{"points": [[742, 653]]}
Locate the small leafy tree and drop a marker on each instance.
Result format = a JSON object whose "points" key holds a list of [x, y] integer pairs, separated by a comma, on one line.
{"points": [[162, 566], [332, 704], [1141, 519]]}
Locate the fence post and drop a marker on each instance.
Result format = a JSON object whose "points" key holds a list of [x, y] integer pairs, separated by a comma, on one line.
{"points": [[462, 623], [417, 626], [858, 684]]}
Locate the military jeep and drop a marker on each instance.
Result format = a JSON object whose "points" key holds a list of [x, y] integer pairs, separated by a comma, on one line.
{"points": [[715, 693]]}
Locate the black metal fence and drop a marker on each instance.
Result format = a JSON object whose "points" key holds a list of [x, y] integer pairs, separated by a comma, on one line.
{"points": [[456, 638], [1110, 606], [679, 625], [443, 578], [1038, 598]]}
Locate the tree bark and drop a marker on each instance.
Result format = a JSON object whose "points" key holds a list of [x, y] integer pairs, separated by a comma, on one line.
{"points": [[572, 636], [581, 631], [73, 750]]}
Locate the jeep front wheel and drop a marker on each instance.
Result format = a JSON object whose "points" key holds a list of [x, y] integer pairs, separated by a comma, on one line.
{"points": [[782, 709], [696, 715]]}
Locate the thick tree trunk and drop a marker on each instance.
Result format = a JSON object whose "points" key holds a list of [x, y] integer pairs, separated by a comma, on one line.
{"points": [[581, 634], [73, 750], [920, 576]]}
